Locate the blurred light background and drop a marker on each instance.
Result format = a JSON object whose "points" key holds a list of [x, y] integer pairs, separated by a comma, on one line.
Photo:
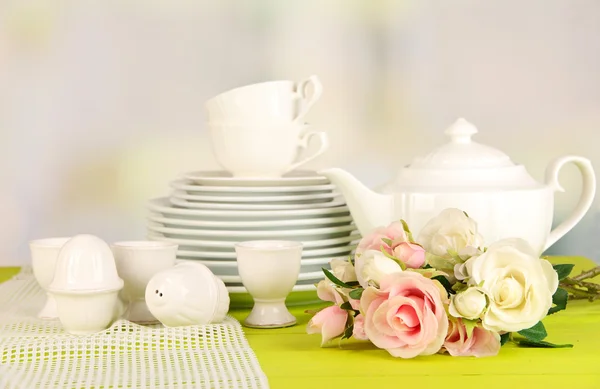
{"points": [[101, 102]]}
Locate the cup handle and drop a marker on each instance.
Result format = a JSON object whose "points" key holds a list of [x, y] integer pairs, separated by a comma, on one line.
{"points": [[585, 200], [303, 143], [308, 100]]}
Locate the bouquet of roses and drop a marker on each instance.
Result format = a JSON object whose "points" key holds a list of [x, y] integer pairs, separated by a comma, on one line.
{"points": [[443, 292]]}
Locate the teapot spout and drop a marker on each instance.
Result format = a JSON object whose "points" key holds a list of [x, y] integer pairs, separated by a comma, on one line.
{"points": [[368, 208]]}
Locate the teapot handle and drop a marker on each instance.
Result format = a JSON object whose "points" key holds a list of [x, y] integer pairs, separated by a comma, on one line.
{"points": [[585, 200]]}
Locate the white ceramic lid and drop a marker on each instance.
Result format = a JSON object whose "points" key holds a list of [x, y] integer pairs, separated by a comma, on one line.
{"points": [[463, 163], [85, 264]]}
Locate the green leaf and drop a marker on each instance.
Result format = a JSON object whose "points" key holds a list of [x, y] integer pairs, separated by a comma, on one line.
{"points": [[407, 230], [352, 283], [559, 299], [346, 306], [387, 241], [537, 333], [541, 344], [356, 293], [348, 332], [563, 270], [334, 279], [469, 326], [459, 287], [504, 338], [445, 283]]}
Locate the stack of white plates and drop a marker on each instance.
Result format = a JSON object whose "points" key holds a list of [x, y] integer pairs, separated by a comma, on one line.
{"points": [[208, 212]]}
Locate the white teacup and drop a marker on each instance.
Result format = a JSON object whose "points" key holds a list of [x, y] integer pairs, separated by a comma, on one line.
{"points": [[269, 270], [266, 102], [44, 253], [263, 151], [137, 262]]}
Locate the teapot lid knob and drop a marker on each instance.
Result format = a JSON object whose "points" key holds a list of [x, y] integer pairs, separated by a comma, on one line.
{"points": [[461, 131]]}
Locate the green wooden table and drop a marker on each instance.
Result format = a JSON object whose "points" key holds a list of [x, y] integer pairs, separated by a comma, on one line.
{"points": [[292, 359]]}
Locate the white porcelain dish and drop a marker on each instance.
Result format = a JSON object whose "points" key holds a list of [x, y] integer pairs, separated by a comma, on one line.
{"points": [[328, 203], [251, 235], [224, 268], [189, 186], [297, 288], [291, 199], [317, 275], [230, 256], [164, 207], [223, 178], [228, 245], [251, 225]]}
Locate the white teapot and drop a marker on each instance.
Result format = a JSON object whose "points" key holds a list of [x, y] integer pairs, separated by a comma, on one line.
{"points": [[482, 181]]}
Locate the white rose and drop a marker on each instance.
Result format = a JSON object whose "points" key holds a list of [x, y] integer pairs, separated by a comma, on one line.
{"points": [[372, 266], [518, 283], [469, 304], [451, 230], [343, 270]]}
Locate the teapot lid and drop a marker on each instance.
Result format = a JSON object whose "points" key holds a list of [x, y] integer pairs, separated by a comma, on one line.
{"points": [[465, 163]]}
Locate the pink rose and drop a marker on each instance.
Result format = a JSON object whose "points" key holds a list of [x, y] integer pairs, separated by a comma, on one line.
{"points": [[481, 343], [394, 232], [406, 316], [329, 322], [355, 304], [358, 332], [413, 255]]}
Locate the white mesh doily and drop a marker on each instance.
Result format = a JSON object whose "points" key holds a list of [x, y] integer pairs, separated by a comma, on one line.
{"points": [[37, 353]]}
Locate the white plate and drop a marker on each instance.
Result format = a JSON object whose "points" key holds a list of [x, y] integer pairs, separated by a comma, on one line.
{"points": [[224, 268], [297, 288], [254, 207], [233, 264], [232, 234], [163, 206], [223, 178], [229, 245], [252, 225], [188, 186], [301, 277], [230, 256], [294, 199]]}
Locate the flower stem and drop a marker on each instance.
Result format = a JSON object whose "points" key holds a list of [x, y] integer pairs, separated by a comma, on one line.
{"points": [[587, 274]]}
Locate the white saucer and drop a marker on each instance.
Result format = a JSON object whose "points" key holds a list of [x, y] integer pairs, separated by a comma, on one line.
{"points": [[230, 256], [164, 206], [250, 225], [254, 207], [223, 178], [294, 199], [277, 234], [321, 243], [233, 265], [188, 186]]}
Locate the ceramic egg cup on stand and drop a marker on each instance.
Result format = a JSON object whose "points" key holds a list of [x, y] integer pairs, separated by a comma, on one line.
{"points": [[269, 270], [86, 286], [44, 253], [137, 262]]}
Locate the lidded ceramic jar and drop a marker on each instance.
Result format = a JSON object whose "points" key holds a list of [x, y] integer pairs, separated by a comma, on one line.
{"points": [[86, 285], [187, 294]]}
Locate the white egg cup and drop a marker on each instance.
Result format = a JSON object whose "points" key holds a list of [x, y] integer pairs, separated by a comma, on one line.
{"points": [[137, 262], [86, 286], [269, 270], [44, 253]]}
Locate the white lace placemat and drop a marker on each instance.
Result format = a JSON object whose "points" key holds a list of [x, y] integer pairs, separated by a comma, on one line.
{"points": [[37, 353]]}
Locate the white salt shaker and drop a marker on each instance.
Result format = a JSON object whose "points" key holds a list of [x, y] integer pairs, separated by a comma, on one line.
{"points": [[187, 294]]}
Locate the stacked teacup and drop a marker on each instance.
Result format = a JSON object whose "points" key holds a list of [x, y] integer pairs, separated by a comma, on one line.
{"points": [[258, 130]]}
